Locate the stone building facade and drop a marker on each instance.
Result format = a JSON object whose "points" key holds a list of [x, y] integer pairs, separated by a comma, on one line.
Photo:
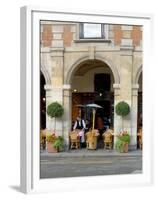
{"points": [[69, 62]]}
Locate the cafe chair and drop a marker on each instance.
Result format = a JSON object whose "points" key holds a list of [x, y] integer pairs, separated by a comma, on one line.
{"points": [[108, 139], [91, 139], [74, 140], [140, 140]]}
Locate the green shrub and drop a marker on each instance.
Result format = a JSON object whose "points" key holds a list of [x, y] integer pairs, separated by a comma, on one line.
{"points": [[58, 144], [122, 109], [55, 110], [121, 140], [125, 138], [51, 138]]}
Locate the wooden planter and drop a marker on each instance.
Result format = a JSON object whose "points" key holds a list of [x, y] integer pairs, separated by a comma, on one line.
{"points": [[50, 148], [124, 148]]}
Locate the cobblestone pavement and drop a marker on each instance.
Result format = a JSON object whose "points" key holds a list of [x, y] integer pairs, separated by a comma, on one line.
{"points": [[77, 163]]}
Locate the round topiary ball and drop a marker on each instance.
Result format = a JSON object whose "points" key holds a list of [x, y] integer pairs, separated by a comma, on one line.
{"points": [[122, 109], [55, 109]]}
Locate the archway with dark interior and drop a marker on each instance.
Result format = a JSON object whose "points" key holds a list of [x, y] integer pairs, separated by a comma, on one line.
{"points": [[93, 82], [140, 101], [42, 102]]}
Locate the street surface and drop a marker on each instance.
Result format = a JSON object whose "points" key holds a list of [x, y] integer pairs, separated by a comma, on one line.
{"points": [[91, 163]]}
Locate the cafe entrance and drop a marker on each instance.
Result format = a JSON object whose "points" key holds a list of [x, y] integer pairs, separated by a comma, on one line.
{"points": [[93, 83]]}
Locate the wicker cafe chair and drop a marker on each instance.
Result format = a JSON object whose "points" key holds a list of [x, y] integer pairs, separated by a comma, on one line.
{"points": [[74, 140], [140, 139], [107, 138], [43, 139], [91, 139]]}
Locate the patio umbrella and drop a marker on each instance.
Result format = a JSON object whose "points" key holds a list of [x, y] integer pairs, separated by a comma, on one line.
{"points": [[80, 105], [94, 107]]}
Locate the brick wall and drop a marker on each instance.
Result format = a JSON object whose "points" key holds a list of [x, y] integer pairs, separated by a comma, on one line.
{"points": [[117, 34], [46, 35], [67, 35], [136, 35], [63, 34]]}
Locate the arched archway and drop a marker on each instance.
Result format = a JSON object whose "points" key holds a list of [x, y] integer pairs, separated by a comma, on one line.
{"points": [[92, 82], [138, 74], [46, 75], [81, 66], [76, 65]]}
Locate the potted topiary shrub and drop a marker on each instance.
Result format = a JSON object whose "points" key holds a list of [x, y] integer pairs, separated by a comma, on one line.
{"points": [[122, 109], [51, 138], [55, 110], [58, 144], [54, 143], [123, 139]]}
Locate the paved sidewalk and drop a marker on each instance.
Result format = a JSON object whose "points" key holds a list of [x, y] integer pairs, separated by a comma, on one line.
{"points": [[90, 153]]}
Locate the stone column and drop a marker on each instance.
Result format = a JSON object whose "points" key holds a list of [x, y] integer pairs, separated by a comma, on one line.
{"points": [[134, 112], [126, 70], [56, 92], [67, 122], [117, 119], [49, 123]]}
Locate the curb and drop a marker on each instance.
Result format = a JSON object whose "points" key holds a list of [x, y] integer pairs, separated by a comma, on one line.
{"points": [[89, 154]]}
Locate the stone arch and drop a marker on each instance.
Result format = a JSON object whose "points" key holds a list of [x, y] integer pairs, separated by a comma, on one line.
{"points": [[74, 67], [138, 73], [46, 75]]}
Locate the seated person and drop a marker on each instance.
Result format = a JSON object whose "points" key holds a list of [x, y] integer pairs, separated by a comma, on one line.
{"points": [[80, 126], [100, 125]]}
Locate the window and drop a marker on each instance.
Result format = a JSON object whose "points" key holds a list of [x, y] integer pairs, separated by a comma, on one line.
{"points": [[92, 31]]}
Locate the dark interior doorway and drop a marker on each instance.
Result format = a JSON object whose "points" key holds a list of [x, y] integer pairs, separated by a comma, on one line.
{"points": [[102, 82], [42, 102], [104, 98]]}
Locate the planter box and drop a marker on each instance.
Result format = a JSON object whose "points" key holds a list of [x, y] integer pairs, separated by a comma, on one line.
{"points": [[50, 148], [124, 148]]}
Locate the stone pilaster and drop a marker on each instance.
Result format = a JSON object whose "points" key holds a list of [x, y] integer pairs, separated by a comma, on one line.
{"points": [[126, 70], [56, 91], [134, 112], [52, 95], [48, 88], [67, 93], [117, 119], [57, 57]]}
